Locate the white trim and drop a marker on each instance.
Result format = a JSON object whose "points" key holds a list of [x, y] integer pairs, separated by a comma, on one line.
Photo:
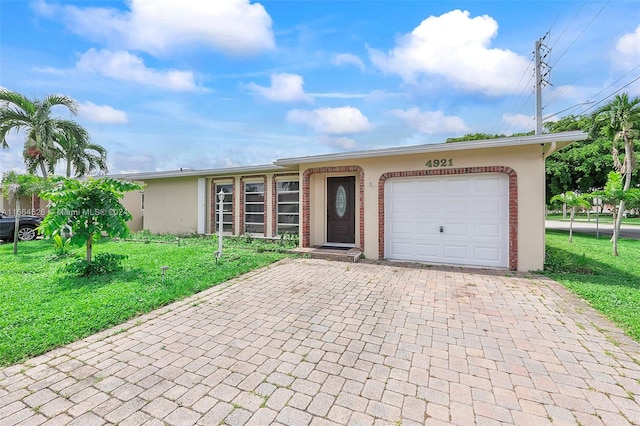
{"points": [[202, 204], [546, 138]]}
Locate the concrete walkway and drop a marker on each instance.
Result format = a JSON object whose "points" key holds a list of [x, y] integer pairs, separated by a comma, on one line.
{"points": [[316, 342]]}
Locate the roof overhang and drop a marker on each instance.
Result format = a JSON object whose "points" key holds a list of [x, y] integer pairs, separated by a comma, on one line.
{"points": [[204, 173], [549, 141]]}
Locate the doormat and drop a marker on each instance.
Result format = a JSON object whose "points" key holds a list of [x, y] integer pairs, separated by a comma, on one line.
{"points": [[336, 248]]}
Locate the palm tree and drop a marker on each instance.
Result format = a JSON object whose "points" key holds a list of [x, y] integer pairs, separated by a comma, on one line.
{"points": [[78, 152], [620, 120], [17, 112], [573, 200]]}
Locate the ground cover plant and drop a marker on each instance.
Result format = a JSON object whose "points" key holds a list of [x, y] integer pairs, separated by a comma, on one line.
{"points": [[43, 305], [609, 284]]}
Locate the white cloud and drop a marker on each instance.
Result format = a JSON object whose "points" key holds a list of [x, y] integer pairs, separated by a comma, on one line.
{"points": [[628, 49], [338, 121], [521, 122], [455, 47], [102, 113], [284, 88], [431, 122], [348, 59], [124, 66], [236, 27]]}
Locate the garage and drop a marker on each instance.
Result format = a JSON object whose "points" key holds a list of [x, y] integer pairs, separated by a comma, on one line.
{"points": [[451, 219]]}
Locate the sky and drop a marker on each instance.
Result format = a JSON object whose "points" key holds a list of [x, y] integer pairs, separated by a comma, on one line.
{"points": [[207, 84]]}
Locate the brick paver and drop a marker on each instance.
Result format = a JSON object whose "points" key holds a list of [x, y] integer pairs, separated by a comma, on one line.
{"points": [[313, 342]]}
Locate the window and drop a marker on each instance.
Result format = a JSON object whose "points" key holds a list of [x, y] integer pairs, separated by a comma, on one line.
{"points": [[288, 211], [254, 208], [227, 207]]}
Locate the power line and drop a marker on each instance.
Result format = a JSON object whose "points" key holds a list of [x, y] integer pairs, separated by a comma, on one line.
{"points": [[581, 33], [610, 94]]}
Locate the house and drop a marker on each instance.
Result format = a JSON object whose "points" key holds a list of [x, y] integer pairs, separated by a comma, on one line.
{"points": [[476, 203]]}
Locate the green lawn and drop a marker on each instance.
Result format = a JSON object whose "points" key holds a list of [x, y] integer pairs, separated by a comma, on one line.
{"points": [[609, 284], [42, 307], [603, 218]]}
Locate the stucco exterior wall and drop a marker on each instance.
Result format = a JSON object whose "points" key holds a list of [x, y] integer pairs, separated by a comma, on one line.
{"points": [[171, 206], [526, 161], [132, 201]]}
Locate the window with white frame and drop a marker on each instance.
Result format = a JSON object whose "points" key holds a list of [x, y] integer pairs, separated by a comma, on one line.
{"points": [[288, 208], [254, 208], [227, 207]]}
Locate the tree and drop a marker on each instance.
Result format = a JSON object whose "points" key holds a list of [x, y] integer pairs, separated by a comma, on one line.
{"points": [[581, 166], [90, 207], [614, 193], [15, 185], [17, 112], [85, 157], [620, 121], [572, 200]]}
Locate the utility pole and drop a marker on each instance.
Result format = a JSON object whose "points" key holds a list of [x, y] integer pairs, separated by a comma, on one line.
{"points": [[542, 74]]}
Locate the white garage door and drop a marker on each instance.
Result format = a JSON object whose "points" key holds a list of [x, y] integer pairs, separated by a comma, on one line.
{"points": [[458, 219]]}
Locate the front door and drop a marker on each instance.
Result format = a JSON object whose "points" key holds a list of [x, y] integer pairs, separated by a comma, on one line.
{"points": [[341, 216]]}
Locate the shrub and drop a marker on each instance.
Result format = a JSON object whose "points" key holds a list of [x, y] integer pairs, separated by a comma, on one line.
{"points": [[103, 263]]}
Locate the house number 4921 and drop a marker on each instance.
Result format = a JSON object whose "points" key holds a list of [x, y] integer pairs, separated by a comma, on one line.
{"points": [[443, 162]]}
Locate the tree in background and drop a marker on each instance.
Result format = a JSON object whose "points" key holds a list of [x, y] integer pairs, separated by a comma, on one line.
{"points": [[620, 121], [581, 166], [90, 207], [41, 149], [572, 200], [85, 157], [15, 185], [614, 193]]}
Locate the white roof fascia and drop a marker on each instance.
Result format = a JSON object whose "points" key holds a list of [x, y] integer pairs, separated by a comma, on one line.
{"points": [[543, 139], [268, 168]]}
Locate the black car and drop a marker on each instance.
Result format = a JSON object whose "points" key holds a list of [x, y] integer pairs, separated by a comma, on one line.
{"points": [[27, 230]]}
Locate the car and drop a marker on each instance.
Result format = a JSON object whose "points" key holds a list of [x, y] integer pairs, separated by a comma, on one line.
{"points": [[27, 230]]}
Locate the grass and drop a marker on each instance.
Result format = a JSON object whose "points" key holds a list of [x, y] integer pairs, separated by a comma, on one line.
{"points": [[603, 218], [609, 284], [42, 307]]}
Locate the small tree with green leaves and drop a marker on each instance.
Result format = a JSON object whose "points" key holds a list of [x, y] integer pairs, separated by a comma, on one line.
{"points": [[572, 200], [614, 193], [16, 185], [89, 207]]}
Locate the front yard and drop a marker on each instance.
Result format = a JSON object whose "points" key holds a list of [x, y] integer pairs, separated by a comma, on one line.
{"points": [[609, 284], [42, 307]]}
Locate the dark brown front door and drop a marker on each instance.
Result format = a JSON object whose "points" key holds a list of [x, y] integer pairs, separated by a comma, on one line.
{"points": [[341, 216]]}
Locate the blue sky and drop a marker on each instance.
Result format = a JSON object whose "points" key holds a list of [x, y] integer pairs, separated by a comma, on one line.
{"points": [[165, 84]]}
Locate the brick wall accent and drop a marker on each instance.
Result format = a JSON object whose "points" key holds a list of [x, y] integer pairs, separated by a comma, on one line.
{"points": [[214, 202], [306, 211], [513, 202], [264, 215], [274, 198]]}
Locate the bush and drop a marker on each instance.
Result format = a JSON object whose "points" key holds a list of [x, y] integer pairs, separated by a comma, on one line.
{"points": [[563, 262], [103, 263]]}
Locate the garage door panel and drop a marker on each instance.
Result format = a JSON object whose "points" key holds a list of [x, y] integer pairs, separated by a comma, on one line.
{"points": [[402, 227], [489, 184], [426, 187], [487, 230], [455, 253], [473, 209], [487, 255], [427, 251]]}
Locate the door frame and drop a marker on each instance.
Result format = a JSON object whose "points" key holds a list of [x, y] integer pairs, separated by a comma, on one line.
{"points": [[350, 209], [351, 170]]}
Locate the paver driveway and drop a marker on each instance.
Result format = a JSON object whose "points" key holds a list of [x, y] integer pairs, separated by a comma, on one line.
{"points": [[317, 342]]}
